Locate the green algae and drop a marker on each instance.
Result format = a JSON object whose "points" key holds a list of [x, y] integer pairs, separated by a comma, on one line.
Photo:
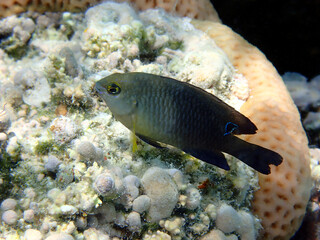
{"points": [[46, 147], [14, 47], [7, 164]]}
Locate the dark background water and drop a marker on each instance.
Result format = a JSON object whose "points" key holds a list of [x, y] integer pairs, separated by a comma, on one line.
{"points": [[286, 31]]}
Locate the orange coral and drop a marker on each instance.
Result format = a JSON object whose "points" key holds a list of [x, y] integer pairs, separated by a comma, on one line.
{"points": [[282, 199]]}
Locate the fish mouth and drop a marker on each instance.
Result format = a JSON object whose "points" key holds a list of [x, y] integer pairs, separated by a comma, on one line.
{"points": [[99, 88]]}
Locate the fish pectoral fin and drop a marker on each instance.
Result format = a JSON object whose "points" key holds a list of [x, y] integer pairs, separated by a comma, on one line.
{"points": [[149, 141], [213, 157]]}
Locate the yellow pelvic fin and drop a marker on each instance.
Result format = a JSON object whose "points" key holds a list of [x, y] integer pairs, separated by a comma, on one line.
{"points": [[133, 136], [134, 142]]}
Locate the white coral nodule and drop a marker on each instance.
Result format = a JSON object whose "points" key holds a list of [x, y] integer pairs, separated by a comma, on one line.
{"points": [[104, 185], [64, 129]]}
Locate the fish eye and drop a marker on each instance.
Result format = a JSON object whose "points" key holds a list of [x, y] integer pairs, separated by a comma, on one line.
{"points": [[113, 89]]}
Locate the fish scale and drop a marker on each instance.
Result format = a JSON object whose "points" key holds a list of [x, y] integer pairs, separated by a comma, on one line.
{"points": [[163, 110]]}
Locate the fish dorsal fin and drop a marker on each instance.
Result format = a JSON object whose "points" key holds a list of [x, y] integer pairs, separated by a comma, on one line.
{"points": [[244, 124], [213, 157]]}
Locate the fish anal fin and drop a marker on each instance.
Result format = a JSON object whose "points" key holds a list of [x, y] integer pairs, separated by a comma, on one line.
{"points": [[149, 141], [209, 156]]}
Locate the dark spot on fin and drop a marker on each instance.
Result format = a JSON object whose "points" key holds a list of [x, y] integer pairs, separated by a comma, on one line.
{"points": [[230, 128], [213, 157], [149, 141]]}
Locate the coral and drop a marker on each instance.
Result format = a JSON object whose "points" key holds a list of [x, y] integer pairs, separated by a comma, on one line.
{"points": [[64, 129], [60, 236], [178, 178], [227, 219], [33, 234], [193, 198], [81, 222], [107, 213], [55, 69], [52, 163], [3, 137], [312, 121], [134, 222], [71, 65], [68, 210], [104, 185], [16, 33], [304, 93], [28, 215], [141, 204], [10, 217], [211, 210], [246, 229], [4, 120], [201, 9], [93, 234], [160, 188], [87, 150], [157, 236], [34, 87], [173, 225], [215, 234], [8, 204], [132, 184], [283, 195], [202, 225]]}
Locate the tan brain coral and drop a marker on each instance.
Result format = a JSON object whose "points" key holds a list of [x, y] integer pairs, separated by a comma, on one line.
{"points": [[282, 199], [199, 9]]}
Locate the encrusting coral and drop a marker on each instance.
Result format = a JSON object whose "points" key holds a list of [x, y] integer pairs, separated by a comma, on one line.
{"points": [[283, 195]]}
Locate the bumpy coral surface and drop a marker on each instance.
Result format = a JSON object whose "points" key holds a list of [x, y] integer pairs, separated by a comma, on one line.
{"points": [[67, 168], [199, 9], [282, 199]]}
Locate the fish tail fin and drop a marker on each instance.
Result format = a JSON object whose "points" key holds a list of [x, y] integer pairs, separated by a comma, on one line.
{"points": [[257, 157]]}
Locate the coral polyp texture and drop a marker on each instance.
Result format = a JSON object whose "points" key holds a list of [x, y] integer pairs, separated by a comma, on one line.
{"points": [[283, 195], [199, 9]]}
